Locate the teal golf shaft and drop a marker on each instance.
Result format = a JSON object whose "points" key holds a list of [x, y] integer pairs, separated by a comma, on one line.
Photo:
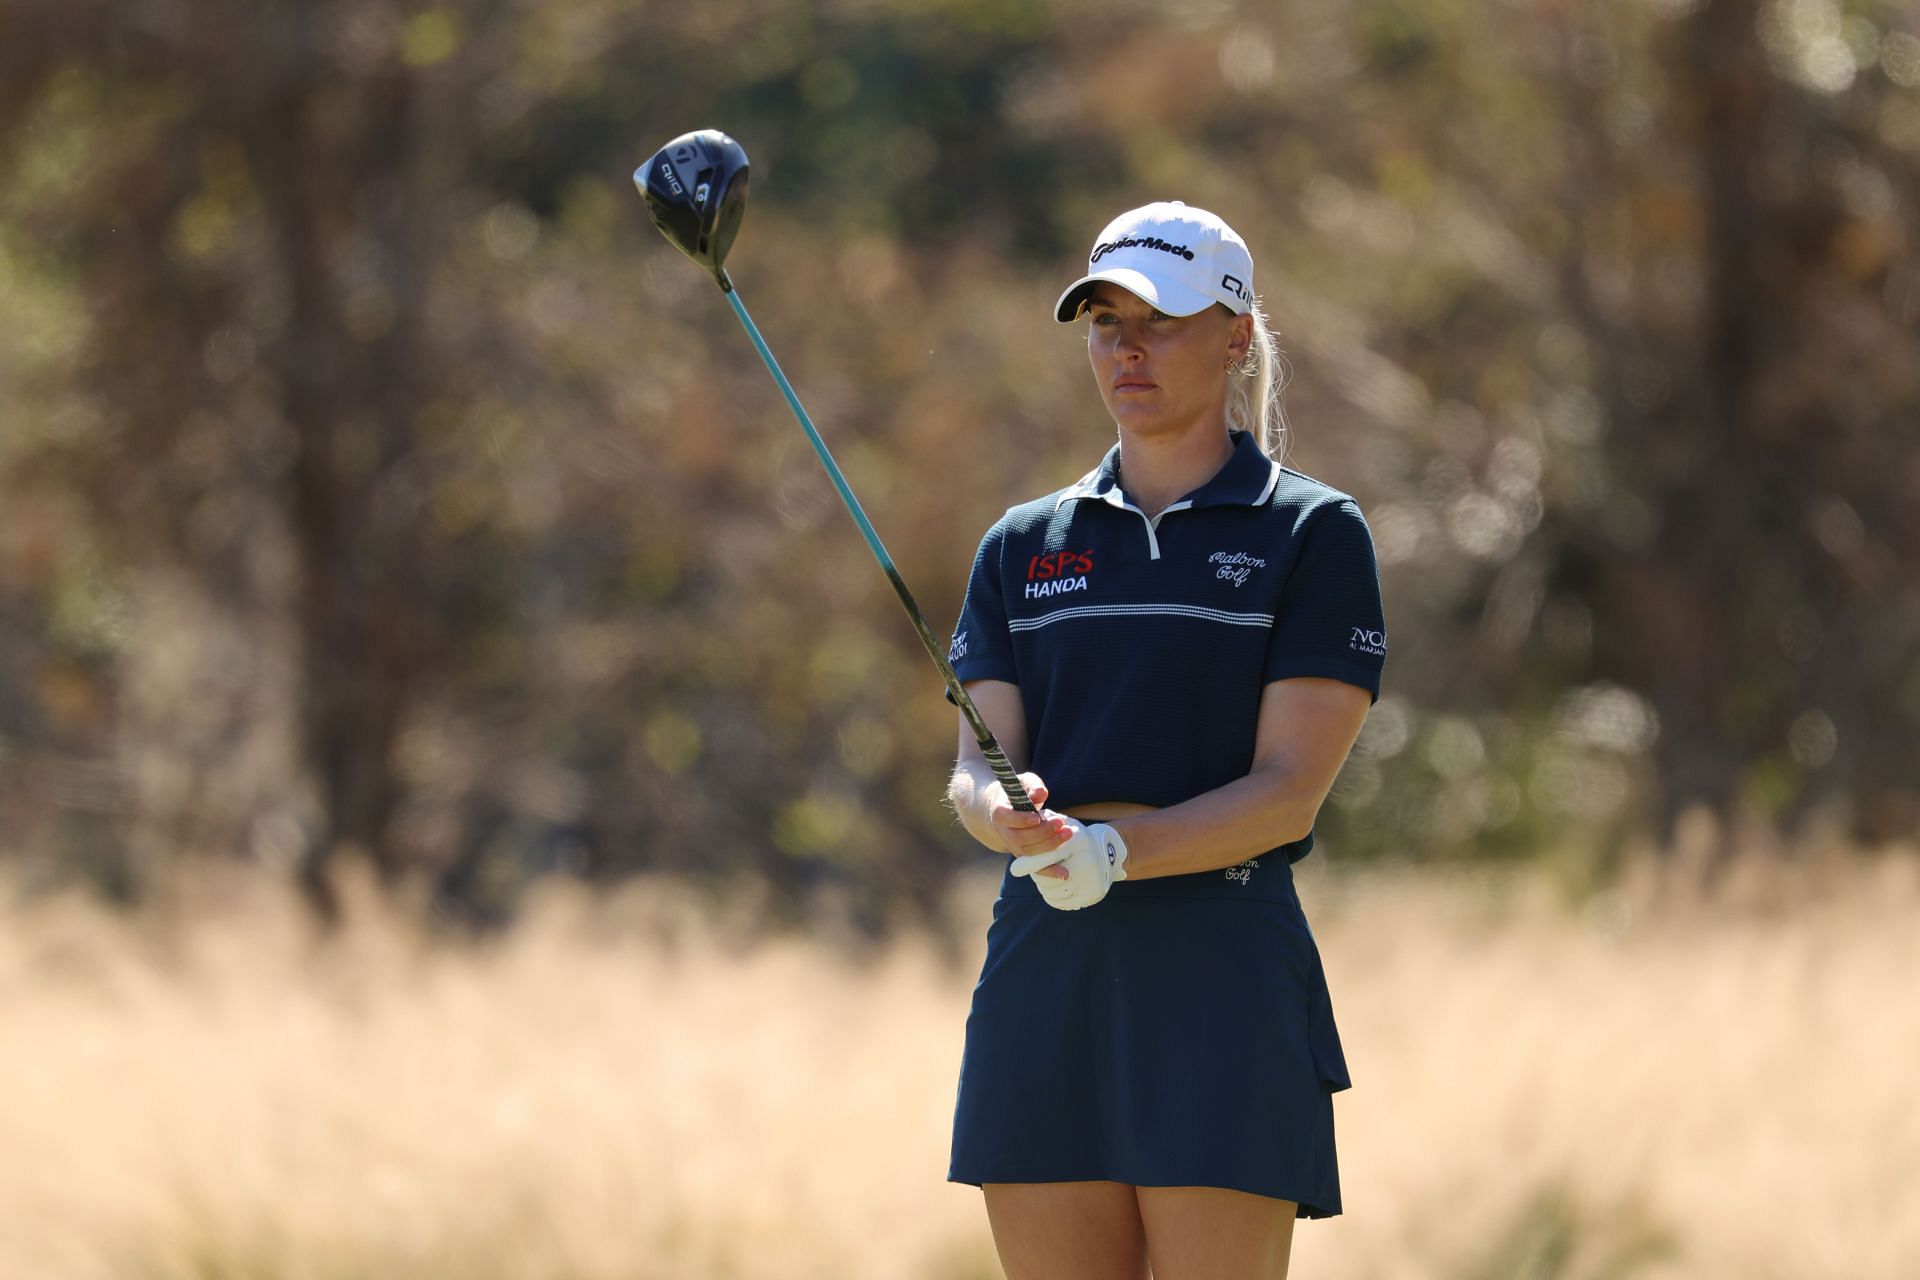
{"points": [[989, 746]]}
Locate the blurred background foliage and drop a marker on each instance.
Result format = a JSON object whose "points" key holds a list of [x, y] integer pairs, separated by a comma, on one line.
{"points": [[375, 481]]}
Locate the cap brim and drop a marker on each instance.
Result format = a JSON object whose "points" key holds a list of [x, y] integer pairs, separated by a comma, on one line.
{"points": [[1173, 299]]}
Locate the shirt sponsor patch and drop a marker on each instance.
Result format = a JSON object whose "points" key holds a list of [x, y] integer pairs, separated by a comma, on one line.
{"points": [[1058, 572], [1040, 590], [1235, 566], [1368, 641]]}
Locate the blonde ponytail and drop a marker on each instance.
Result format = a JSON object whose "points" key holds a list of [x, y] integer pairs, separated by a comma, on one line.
{"points": [[1253, 395]]}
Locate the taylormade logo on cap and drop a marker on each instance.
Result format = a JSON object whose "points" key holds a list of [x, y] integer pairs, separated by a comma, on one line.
{"points": [[1179, 258], [1102, 250]]}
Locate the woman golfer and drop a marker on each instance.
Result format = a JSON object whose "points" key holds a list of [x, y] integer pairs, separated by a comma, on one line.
{"points": [[1181, 647]]}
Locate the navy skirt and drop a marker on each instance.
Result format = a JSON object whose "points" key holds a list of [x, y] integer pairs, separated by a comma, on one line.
{"points": [[1177, 1033]]}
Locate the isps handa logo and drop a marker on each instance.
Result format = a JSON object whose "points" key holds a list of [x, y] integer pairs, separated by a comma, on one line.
{"points": [[1058, 572]]}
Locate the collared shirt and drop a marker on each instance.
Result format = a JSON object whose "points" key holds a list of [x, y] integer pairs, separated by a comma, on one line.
{"points": [[1141, 645]]}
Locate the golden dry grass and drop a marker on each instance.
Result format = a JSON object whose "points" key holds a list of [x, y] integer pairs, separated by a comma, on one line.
{"points": [[1639, 1086]]}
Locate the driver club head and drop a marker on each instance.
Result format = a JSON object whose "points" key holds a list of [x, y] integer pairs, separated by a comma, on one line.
{"points": [[696, 189]]}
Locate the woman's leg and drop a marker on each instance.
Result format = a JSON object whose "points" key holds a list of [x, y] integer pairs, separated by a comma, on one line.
{"points": [[1067, 1230], [1210, 1233]]}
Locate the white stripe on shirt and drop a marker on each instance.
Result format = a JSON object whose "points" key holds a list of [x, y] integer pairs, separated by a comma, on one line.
{"points": [[1143, 610]]}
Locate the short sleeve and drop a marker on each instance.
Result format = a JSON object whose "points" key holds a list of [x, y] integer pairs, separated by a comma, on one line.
{"points": [[1329, 622], [982, 647]]}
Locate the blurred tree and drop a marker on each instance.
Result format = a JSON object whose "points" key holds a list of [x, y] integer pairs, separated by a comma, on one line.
{"points": [[1760, 396], [245, 197]]}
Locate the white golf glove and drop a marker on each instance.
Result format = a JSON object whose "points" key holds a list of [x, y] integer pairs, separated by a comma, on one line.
{"points": [[1094, 857]]}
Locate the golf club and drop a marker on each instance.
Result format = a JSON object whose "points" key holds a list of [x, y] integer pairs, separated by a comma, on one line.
{"points": [[696, 189]]}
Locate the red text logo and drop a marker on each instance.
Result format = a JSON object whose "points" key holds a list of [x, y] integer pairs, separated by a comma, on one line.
{"points": [[1059, 564]]}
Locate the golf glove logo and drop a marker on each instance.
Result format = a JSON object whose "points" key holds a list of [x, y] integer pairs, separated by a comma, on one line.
{"points": [[1094, 857]]}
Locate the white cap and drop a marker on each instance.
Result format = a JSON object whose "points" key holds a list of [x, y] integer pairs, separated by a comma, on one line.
{"points": [[1181, 259]]}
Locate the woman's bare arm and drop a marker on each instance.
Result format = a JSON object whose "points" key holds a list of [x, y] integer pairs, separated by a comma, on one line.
{"points": [[978, 799], [1306, 728]]}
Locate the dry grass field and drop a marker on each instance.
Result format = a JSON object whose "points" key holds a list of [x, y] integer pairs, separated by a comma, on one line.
{"points": [[1639, 1085]]}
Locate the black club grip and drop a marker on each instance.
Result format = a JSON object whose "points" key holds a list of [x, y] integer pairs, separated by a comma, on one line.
{"points": [[1009, 780]]}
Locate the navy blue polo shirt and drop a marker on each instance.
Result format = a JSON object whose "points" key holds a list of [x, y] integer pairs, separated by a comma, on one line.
{"points": [[1141, 645]]}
